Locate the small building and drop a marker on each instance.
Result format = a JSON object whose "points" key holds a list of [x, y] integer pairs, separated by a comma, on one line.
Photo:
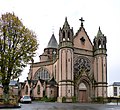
{"points": [[13, 87], [114, 90], [38, 88]]}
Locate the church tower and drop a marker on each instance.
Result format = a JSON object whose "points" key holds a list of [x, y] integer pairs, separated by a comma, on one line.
{"points": [[100, 65], [66, 85]]}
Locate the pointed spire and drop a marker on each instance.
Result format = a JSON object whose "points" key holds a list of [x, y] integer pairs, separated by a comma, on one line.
{"points": [[66, 24], [52, 42], [99, 32]]}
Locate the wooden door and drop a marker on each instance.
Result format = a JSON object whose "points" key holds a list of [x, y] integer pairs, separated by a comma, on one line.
{"points": [[82, 96]]}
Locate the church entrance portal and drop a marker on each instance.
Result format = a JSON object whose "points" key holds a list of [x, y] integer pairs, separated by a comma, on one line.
{"points": [[82, 93]]}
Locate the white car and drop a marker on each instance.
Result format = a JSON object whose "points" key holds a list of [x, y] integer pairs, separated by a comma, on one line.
{"points": [[25, 99]]}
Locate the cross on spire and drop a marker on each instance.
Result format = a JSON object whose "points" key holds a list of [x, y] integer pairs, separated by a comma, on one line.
{"points": [[82, 20]]}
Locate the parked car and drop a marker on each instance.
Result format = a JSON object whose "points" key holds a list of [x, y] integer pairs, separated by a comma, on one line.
{"points": [[25, 99]]}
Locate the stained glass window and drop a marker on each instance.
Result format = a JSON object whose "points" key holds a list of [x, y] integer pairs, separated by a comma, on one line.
{"points": [[42, 74]]}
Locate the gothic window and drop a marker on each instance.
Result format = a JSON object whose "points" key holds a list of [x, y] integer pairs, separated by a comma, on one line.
{"points": [[42, 74], [81, 65], [26, 90], [63, 36], [99, 43], [104, 44], [68, 36], [38, 89], [51, 91]]}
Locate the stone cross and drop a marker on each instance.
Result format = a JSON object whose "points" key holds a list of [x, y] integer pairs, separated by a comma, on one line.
{"points": [[82, 20]]}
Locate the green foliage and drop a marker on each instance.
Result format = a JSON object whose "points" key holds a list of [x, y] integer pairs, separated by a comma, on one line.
{"points": [[51, 99], [64, 99], [100, 99], [13, 100], [93, 99], [44, 98], [17, 47], [74, 99]]}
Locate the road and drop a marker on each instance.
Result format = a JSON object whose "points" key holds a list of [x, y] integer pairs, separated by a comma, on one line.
{"points": [[67, 106]]}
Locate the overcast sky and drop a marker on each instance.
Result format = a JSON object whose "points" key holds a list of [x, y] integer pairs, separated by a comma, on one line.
{"points": [[46, 16]]}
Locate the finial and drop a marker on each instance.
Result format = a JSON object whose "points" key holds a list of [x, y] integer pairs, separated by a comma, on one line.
{"points": [[65, 18], [99, 27], [82, 20], [65, 23], [52, 29], [99, 32]]}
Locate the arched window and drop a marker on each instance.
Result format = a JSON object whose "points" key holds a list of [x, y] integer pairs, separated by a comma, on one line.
{"points": [[68, 36], [63, 36], [51, 91], [38, 89], [104, 44], [99, 43], [26, 90], [42, 74]]}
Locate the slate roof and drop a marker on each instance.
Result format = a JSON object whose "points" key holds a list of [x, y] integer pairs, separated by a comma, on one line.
{"points": [[116, 84], [52, 82], [53, 42], [13, 83]]}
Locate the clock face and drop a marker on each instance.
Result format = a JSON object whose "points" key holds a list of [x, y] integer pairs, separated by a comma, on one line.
{"points": [[81, 65]]}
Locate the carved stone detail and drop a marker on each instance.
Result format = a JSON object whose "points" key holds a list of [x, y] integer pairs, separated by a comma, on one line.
{"points": [[81, 66]]}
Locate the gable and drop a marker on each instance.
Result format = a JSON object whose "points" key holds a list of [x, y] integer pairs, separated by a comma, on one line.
{"points": [[38, 83], [82, 41], [26, 84]]}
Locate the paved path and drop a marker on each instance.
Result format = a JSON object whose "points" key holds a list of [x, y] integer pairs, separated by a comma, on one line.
{"points": [[67, 106]]}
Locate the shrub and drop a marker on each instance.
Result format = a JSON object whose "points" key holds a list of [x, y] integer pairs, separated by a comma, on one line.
{"points": [[100, 99], [73, 99], [64, 99], [51, 99]]}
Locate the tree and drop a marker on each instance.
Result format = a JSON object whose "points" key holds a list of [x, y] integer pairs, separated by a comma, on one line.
{"points": [[17, 47]]}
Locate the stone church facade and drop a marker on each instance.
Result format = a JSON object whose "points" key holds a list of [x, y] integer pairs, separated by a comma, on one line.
{"points": [[74, 67]]}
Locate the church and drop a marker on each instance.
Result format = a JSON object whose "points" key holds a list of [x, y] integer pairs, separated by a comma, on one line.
{"points": [[74, 67]]}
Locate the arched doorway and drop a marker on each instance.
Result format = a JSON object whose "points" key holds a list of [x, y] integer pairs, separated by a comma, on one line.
{"points": [[82, 76], [82, 93], [83, 90]]}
